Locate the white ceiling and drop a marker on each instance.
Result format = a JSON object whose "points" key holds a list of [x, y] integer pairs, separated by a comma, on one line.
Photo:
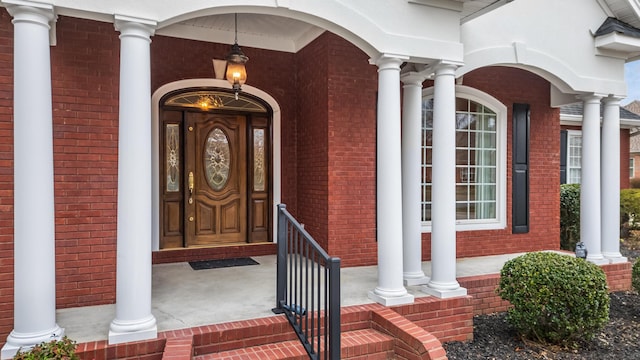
{"points": [[280, 33]]}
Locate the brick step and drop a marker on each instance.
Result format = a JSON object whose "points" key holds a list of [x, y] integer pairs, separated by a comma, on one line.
{"points": [[357, 344]]}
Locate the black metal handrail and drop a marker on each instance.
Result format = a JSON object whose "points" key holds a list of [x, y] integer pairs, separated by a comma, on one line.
{"points": [[308, 288]]}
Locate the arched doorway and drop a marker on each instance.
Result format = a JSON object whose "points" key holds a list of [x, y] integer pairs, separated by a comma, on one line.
{"points": [[214, 168]]}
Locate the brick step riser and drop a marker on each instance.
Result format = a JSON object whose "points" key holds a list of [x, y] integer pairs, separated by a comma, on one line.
{"points": [[356, 344]]}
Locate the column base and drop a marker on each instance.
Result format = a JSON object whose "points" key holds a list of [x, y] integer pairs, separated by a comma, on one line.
{"points": [[598, 260], [389, 299], [615, 258], [412, 279], [24, 341], [128, 331], [444, 294], [444, 290]]}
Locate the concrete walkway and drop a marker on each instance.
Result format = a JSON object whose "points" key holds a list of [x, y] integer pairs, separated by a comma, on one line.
{"points": [[184, 298]]}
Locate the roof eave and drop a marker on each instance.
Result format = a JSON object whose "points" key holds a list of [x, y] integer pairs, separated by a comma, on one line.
{"points": [[576, 120], [618, 45]]}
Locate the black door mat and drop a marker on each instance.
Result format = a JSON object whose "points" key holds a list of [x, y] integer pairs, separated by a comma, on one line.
{"points": [[223, 263]]}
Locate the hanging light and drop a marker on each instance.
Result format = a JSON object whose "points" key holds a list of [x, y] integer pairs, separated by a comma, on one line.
{"points": [[236, 72]]}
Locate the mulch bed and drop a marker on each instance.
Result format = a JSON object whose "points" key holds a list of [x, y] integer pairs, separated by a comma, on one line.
{"points": [[493, 337]]}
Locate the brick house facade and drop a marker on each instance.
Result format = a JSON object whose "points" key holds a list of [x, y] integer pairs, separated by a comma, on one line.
{"points": [[330, 102]]}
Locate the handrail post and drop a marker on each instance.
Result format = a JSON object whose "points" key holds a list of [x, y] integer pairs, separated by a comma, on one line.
{"points": [[307, 262], [334, 308], [281, 271]]}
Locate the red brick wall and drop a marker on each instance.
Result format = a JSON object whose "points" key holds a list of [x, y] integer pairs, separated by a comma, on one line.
{"points": [[624, 159], [6, 174], [510, 86], [618, 276], [312, 135], [352, 153], [337, 148], [636, 158], [85, 69], [482, 289], [447, 319]]}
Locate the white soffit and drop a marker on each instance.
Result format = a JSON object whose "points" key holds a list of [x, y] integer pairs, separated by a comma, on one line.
{"points": [[627, 11]]}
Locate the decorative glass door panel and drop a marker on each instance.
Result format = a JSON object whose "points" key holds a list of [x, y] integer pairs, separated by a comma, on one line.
{"points": [[172, 207], [260, 203], [217, 158]]}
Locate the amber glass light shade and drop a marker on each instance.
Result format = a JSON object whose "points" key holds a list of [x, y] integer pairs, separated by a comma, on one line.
{"points": [[236, 72]]}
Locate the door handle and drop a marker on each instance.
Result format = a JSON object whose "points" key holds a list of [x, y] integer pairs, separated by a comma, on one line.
{"points": [[190, 182]]}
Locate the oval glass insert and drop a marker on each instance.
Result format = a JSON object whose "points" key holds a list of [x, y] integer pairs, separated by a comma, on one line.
{"points": [[217, 158]]}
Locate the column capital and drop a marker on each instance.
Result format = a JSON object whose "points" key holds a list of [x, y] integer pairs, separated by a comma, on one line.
{"points": [[412, 78], [591, 98], [446, 67], [388, 61], [612, 100], [29, 11], [136, 27]]}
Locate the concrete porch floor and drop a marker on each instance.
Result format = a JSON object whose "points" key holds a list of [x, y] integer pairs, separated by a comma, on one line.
{"points": [[184, 298]]}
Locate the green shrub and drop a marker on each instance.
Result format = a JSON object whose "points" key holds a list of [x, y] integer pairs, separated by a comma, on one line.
{"points": [[635, 276], [630, 208], [569, 216], [64, 349], [556, 298]]}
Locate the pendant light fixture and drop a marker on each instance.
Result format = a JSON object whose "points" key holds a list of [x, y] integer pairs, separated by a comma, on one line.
{"points": [[236, 72]]}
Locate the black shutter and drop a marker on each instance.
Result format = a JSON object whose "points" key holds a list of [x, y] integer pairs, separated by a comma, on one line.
{"points": [[520, 200], [563, 156]]}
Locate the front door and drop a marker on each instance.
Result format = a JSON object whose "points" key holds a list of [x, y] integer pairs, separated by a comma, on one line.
{"points": [[215, 171], [216, 164]]}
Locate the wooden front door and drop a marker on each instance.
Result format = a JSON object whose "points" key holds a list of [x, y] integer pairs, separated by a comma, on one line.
{"points": [[215, 172], [216, 166]]}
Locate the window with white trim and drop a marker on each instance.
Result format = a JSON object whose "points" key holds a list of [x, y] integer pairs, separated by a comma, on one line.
{"points": [[480, 160], [632, 168], [574, 156]]}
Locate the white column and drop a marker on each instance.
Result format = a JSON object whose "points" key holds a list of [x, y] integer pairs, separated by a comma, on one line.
{"points": [[34, 305], [443, 283], [590, 180], [610, 181], [411, 175], [134, 320], [390, 290]]}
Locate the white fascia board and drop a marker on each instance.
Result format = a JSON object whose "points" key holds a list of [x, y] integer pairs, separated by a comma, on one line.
{"points": [[570, 120], [442, 4], [576, 120]]}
